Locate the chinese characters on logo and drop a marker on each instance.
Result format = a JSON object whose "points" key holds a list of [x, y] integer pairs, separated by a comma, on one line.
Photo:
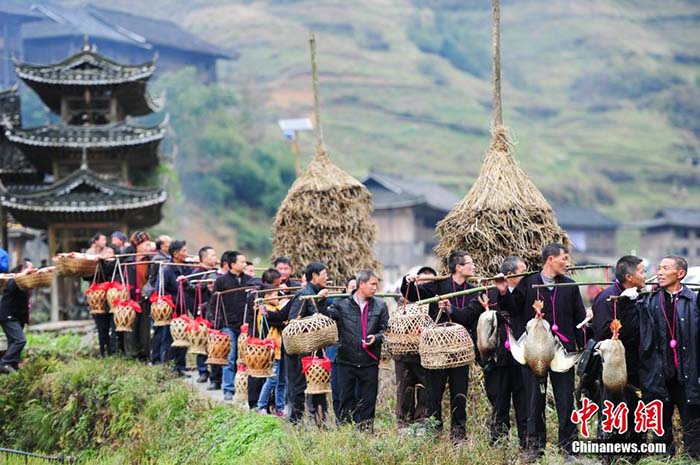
{"points": [[647, 417]]}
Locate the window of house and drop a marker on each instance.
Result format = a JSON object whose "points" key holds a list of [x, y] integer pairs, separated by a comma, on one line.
{"points": [[681, 233]]}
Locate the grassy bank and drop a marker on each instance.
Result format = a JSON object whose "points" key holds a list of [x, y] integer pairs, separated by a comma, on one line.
{"points": [[121, 412]]}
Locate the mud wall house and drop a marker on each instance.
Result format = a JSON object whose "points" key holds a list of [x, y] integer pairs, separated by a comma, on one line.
{"points": [[672, 231], [53, 32], [405, 213], [593, 234]]}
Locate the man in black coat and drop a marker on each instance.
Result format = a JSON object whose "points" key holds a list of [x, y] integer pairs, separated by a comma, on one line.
{"points": [[411, 380], [563, 309], [629, 274], [14, 314], [160, 344], [503, 378], [227, 311], [670, 353], [362, 320], [316, 276], [171, 276], [201, 292], [461, 267]]}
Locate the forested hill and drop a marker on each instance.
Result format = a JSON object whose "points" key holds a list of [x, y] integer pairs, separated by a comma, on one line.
{"points": [[603, 96]]}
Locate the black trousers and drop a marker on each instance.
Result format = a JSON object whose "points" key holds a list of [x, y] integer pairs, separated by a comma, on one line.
{"points": [[104, 323], [563, 385], [459, 384], [138, 342], [352, 378], [216, 374], [254, 387], [630, 399], [411, 392], [296, 384], [16, 340], [503, 384], [690, 421]]}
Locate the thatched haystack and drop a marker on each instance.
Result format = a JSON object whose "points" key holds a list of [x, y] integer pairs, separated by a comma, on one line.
{"points": [[326, 215], [504, 213]]}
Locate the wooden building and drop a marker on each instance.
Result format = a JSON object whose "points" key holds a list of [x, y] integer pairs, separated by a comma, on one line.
{"points": [[406, 211], [12, 15], [87, 172], [43, 32], [672, 231], [593, 233]]}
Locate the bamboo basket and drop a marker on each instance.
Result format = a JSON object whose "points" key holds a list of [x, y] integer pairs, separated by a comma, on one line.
{"points": [[446, 345], [309, 334], [240, 383], [124, 317], [242, 345], [162, 313], [41, 278], [198, 337], [318, 379], [178, 330], [114, 294], [75, 265], [259, 358], [218, 348], [96, 301], [404, 329]]}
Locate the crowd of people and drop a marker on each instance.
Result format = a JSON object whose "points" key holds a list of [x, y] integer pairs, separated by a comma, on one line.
{"points": [[659, 331]]}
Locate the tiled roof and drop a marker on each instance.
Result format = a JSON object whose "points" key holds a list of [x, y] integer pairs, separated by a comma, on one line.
{"points": [[390, 191]]}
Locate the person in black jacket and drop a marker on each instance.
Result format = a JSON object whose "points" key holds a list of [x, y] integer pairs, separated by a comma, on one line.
{"points": [[503, 378], [563, 309], [201, 293], [106, 336], [411, 380], [316, 276], [161, 341], [629, 274], [362, 320], [227, 311], [171, 276], [137, 343], [284, 266], [670, 353], [457, 309], [14, 314]]}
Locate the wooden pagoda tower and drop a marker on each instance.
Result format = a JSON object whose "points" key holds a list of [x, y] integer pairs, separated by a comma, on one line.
{"points": [[93, 158], [85, 173]]}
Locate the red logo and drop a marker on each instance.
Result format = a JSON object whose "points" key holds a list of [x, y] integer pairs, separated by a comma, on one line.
{"points": [[587, 410], [615, 417], [649, 417]]}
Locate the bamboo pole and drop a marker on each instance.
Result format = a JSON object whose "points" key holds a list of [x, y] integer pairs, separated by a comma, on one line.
{"points": [[588, 267], [438, 298], [237, 289], [339, 296], [497, 106], [121, 255], [317, 103], [201, 273], [539, 286]]}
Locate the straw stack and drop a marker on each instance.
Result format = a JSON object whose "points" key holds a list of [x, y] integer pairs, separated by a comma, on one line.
{"points": [[326, 215], [504, 213]]}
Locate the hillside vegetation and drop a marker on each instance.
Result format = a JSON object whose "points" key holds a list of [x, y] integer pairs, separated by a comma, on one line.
{"points": [[603, 96]]}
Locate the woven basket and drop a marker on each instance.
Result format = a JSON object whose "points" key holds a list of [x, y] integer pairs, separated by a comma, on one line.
{"points": [[75, 266], [240, 383], [116, 294], [259, 359], [96, 301], [404, 329], [41, 278], [162, 313], [309, 334], [242, 345], [178, 331], [318, 380], [124, 317], [218, 348], [198, 339], [446, 345]]}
